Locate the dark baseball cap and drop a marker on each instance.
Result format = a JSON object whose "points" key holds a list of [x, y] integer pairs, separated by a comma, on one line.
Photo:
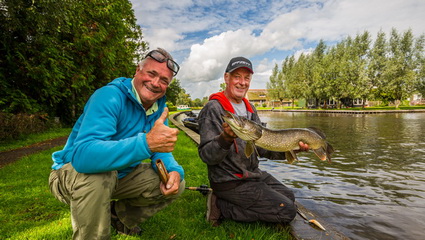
{"points": [[238, 62]]}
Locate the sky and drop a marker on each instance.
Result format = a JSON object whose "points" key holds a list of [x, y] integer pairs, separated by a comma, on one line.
{"points": [[203, 35]]}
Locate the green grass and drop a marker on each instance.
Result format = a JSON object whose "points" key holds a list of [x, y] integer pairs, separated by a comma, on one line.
{"points": [[35, 138], [29, 211]]}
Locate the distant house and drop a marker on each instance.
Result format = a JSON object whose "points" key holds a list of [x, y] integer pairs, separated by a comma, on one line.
{"points": [[258, 97], [330, 103], [417, 99]]}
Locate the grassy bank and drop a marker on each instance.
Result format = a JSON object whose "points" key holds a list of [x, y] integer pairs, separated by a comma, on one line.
{"points": [[34, 138], [29, 211]]}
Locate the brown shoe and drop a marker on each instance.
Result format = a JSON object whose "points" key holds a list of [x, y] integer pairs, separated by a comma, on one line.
{"points": [[120, 227], [213, 212]]}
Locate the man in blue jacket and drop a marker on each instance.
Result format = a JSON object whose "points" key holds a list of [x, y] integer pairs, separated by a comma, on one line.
{"points": [[100, 173]]}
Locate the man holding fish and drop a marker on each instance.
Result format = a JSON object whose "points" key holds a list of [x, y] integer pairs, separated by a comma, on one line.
{"points": [[241, 191]]}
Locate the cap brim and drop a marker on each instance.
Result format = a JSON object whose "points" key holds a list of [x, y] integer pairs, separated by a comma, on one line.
{"points": [[249, 69]]}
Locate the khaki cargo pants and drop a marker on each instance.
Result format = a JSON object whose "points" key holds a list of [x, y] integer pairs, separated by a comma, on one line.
{"points": [[89, 195]]}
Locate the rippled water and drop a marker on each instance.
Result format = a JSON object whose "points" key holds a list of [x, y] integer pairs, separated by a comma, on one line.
{"points": [[375, 186]]}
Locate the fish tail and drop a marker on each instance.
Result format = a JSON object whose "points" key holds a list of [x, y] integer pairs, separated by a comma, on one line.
{"points": [[324, 152], [321, 153], [329, 151]]}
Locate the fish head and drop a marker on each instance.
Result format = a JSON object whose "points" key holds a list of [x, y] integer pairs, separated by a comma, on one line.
{"points": [[244, 128]]}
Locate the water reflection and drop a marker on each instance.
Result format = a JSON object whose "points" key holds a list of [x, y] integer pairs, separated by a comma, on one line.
{"points": [[375, 186]]}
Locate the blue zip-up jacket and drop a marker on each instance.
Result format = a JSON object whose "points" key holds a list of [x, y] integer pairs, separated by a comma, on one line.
{"points": [[111, 134]]}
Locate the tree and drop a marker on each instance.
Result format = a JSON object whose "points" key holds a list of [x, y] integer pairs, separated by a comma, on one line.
{"points": [[390, 70], [296, 77], [333, 62], [183, 98], [197, 103], [400, 69], [222, 86], [319, 87], [378, 57], [56, 53], [173, 91], [308, 84], [275, 88], [420, 63], [359, 51]]}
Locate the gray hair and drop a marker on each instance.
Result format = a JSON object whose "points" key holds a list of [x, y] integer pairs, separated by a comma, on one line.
{"points": [[161, 50]]}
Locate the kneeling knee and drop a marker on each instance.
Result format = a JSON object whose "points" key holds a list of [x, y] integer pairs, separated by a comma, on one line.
{"points": [[286, 213]]}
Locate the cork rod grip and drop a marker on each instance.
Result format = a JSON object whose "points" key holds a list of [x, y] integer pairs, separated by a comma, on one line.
{"points": [[162, 171]]}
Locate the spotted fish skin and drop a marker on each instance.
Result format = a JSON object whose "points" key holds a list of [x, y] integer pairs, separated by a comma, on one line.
{"points": [[283, 140]]}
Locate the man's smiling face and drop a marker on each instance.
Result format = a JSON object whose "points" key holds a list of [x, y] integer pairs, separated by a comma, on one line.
{"points": [[237, 84], [151, 81]]}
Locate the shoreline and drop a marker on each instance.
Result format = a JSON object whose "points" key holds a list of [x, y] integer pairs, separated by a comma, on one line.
{"points": [[349, 111]]}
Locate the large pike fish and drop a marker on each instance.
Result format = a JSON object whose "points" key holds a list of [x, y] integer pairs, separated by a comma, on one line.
{"points": [[284, 140]]}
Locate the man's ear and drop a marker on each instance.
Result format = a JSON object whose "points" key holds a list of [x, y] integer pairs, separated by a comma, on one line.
{"points": [[226, 78]]}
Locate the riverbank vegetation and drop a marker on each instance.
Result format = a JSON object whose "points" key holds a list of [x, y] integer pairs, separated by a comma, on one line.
{"points": [[383, 108], [390, 69], [29, 211]]}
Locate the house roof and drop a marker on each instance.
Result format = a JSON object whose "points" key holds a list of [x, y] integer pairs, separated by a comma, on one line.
{"points": [[256, 94]]}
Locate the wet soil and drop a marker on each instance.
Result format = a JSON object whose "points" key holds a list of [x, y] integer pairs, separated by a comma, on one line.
{"points": [[11, 156]]}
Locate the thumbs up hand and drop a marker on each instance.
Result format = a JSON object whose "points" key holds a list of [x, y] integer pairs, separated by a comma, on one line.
{"points": [[162, 138]]}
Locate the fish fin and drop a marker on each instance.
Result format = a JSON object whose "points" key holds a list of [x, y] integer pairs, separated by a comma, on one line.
{"points": [[253, 144], [291, 157], [329, 151], [329, 148], [318, 131], [249, 148], [321, 153]]}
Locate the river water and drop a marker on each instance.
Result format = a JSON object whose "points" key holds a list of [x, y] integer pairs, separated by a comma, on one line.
{"points": [[375, 186]]}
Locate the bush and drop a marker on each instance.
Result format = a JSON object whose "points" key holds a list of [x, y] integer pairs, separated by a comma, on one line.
{"points": [[15, 126], [171, 107], [405, 103]]}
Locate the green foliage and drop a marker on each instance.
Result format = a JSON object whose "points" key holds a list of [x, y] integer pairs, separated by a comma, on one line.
{"points": [[171, 107], [183, 98], [222, 87], [17, 126], [54, 54], [173, 91], [176, 95], [387, 70], [420, 61], [275, 85], [198, 103]]}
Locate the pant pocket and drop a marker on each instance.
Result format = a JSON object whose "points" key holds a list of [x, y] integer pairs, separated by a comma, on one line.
{"points": [[55, 187]]}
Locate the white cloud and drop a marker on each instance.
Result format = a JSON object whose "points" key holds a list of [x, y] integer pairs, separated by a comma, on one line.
{"points": [[207, 61], [165, 38]]}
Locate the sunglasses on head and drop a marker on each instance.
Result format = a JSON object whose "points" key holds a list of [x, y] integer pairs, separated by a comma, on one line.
{"points": [[159, 57]]}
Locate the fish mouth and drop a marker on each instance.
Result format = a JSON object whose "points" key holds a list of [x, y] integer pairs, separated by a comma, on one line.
{"points": [[241, 127], [233, 120]]}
